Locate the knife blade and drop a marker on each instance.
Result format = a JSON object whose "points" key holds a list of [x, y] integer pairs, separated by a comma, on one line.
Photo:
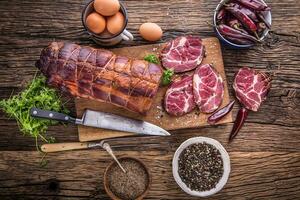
{"points": [[120, 123], [104, 120]]}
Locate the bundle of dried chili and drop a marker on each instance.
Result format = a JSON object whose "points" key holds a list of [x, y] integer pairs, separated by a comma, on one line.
{"points": [[245, 16]]}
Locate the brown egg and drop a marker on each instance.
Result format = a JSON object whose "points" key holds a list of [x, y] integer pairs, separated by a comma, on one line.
{"points": [[115, 23], [95, 23], [107, 7], [151, 31]]}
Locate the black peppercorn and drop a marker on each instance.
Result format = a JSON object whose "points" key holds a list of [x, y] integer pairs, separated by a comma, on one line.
{"points": [[200, 166]]}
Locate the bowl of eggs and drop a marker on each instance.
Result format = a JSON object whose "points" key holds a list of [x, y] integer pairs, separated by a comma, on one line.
{"points": [[105, 21]]}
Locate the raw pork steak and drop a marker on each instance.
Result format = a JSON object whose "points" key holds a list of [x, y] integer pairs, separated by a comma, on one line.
{"points": [[208, 88], [183, 53], [251, 87], [179, 98]]}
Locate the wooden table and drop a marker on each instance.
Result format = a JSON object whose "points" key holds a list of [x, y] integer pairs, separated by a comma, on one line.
{"points": [[265, 156]]}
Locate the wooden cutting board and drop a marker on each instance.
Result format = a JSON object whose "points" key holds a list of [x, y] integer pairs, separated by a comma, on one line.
{"points": [[156, 115]]}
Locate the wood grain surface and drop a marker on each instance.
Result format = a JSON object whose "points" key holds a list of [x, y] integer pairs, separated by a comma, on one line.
{"points": [[265, 155], [156, 115]]}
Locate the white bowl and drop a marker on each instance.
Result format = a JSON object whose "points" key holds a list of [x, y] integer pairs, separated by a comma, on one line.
{"points": [[226, 166]]}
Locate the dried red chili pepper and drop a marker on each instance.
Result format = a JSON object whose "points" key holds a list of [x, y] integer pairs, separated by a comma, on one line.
{"points": [[262, 17], [245, 10], [239, 40], [254, 4], [217, 116], [261, 27], [221, 14], [240, 119], [231, 32], [243, 18], [236, 24]]}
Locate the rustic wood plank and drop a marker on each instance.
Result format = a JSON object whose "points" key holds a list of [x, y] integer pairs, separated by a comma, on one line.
{"points": [[79, 174], [26, 41], [253, 137], [27, 26]]}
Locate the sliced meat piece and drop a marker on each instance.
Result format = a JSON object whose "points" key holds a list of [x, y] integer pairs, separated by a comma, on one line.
{"points": [[179, 98], [183, 53], [251, 87], [208, 88]]}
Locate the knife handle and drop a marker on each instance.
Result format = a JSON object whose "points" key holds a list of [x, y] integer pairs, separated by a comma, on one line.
{"points": [[47, 114], [56, 147]]}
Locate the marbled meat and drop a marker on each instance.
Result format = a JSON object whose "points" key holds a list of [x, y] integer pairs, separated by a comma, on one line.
{"points": [[251, 87], [208, 88], [183, 53], [179, 98]]}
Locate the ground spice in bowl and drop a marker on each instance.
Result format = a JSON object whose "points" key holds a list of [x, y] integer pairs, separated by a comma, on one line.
{"points": [[200, 166], [130, 185]]}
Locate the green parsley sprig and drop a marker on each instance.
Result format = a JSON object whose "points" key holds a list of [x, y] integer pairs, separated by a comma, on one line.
{"points": [[167, 77], [152, 58], [36, 94]]}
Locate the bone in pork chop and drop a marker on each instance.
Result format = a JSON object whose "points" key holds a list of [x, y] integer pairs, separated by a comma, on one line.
{"points": [[183, 53], [99, 74], [179, 98], [208, 88]]}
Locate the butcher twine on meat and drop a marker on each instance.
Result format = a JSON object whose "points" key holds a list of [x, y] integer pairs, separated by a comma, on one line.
{"points": [[99, 74]]}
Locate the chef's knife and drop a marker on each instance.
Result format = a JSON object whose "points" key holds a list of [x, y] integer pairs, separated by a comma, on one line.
{"points": [[103, 120]]}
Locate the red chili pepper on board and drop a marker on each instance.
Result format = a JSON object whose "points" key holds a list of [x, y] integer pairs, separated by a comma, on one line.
{"points": [[217, 116], [254, 4], [243, 18], [231, 32]]}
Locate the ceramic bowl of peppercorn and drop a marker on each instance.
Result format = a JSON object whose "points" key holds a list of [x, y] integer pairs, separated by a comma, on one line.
{"points": [[242, 23], [201, 166]]}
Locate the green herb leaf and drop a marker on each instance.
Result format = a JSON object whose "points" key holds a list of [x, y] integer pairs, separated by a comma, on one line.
{"points": [[36, 94], [167, 76], [152, 58], [52, 139], [43, 162]]}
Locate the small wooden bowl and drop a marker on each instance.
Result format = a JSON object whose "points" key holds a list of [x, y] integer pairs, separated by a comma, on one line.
{"points": [[106, 186]]}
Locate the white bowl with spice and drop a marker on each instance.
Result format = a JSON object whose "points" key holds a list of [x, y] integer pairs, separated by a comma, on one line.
{"points": [[201, 166]]}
